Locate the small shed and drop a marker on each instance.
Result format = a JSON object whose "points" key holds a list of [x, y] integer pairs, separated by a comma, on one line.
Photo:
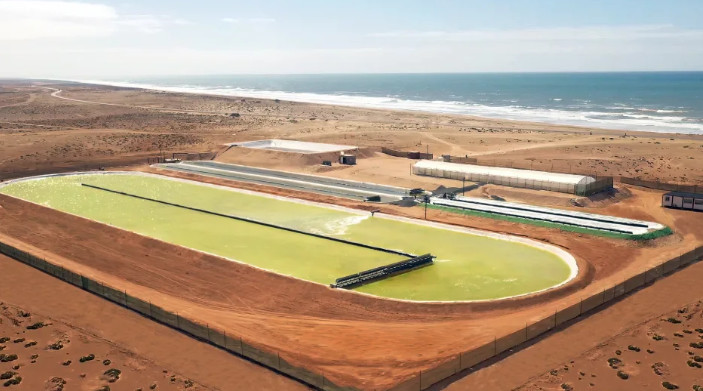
{"points": [[683, 200], [347, 159]]}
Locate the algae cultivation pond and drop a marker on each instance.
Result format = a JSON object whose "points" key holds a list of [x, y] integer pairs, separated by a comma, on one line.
{"points": [[468, 265]]}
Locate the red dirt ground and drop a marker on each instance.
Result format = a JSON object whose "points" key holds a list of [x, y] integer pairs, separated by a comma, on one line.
{"points": [[107, 330]]}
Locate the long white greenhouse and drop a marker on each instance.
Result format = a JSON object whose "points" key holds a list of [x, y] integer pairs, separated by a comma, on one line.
{"points": [[528, 179]]}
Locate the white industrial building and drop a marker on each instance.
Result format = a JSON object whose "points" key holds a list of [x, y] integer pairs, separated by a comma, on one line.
{"points": [[528, 179]]}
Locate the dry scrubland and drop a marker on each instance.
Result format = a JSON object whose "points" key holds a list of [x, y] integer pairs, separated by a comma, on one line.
{"points": [[39, 353], [663, 353], [41, 133]]}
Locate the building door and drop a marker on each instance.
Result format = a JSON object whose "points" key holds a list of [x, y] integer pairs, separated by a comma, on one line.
{"points": [[677, 202]]}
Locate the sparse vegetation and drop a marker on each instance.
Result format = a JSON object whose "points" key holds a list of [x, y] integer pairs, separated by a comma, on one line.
{"points": [[89, 357], [13, 382], [112, 375], [614, 362], [56, 383], [673, 320], [693, 364], [670, 386], [623, 375], [8, 357], [36, 326]]}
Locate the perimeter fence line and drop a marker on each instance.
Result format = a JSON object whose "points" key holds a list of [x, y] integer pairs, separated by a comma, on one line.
{"points": [[420, 381], [409, 155], [662, 185], [194, 155]]}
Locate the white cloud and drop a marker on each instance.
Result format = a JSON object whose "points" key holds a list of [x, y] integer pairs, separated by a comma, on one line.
{"points": [[588, 33], [33, 20], [249, 20]]}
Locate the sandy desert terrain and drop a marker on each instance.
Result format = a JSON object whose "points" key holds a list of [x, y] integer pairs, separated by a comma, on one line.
{"points": [[309, 324]]}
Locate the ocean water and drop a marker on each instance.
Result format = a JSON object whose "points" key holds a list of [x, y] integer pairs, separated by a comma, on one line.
{"points": [[670, 102]]}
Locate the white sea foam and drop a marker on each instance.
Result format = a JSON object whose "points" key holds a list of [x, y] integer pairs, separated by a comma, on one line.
{"points": [[608, 120]]}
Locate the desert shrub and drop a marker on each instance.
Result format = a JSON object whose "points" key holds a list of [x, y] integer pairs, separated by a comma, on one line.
{"points": [[673, 320], [17, 380], [697, 345], [634, 348], [36, 326], [699, 331], [103, 388], [614, 362], [19, 340], [57, 383], [697, 358], [189, 383], [618, 352], [89, 357], [693, 364], [112, 374], [58, 345], [657, 337], [8, 357], [4, 339], [650, 351], [34, 357], [566, 387], [6, 375], [678, 335], [670, 386], [152, 387], [687, 331], [623, 375], [66, 363], [696, 387], [107, 362]]}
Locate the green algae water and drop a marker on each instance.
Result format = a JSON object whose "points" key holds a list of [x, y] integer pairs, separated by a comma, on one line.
{"points": [[467, 267]]}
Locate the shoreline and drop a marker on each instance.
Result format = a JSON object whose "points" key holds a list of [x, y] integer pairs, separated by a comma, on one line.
{"points": [[442, 108]]}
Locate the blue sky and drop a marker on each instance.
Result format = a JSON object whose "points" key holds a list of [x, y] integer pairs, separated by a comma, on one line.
{"points": [[108, 39]]}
